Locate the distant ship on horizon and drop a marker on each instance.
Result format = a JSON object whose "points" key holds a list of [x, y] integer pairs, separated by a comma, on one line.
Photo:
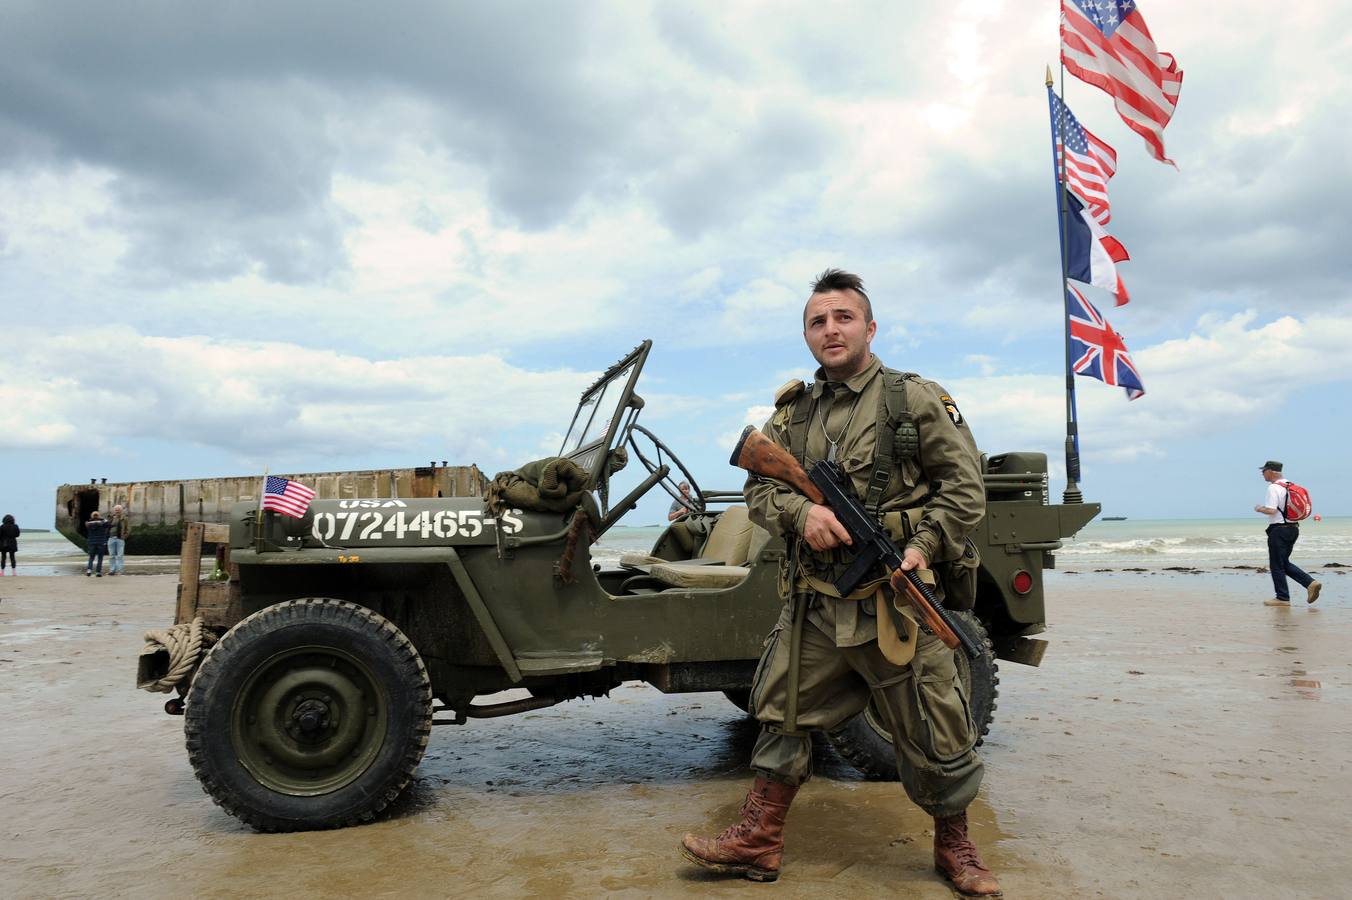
{"points": [[1112, 518]]}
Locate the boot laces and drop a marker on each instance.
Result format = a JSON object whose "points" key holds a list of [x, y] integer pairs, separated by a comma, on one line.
{"points": [[749, 816], [962, 848], [965, 852]]}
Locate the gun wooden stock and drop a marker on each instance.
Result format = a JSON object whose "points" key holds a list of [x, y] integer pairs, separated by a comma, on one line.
{"points": [[902, 584], [761, 456]]}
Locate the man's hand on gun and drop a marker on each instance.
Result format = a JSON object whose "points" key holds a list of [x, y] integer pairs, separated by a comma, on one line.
{"points": [[913, 559], [823, 530]]}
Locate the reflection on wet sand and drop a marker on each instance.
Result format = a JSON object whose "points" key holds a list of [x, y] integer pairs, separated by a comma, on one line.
{"points": [[1158, 752]]}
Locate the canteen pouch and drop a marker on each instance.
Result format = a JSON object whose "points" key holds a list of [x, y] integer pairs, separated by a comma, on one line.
{"points": [[960, 576], [957, 578]]}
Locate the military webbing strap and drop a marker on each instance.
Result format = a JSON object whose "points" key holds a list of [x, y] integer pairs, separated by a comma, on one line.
{"points": [[799, 603], [798, 427], [798, 608], [897, 438], [862, 592]]}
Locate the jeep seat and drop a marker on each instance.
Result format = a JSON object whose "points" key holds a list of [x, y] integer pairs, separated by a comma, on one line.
{"points": [[722, 560]]}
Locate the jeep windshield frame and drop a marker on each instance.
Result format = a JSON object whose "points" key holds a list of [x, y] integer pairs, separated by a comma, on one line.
{"points": [[604, 413]]}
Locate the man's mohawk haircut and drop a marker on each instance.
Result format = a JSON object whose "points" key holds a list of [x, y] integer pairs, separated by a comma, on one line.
{"points": [[840, 280]]}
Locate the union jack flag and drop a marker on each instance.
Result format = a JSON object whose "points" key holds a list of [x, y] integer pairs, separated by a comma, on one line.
{"points": [[1096, 350]]}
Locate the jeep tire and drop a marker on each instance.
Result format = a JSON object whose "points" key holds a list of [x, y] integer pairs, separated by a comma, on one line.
{"points": [[863, 741], [309, 714]]}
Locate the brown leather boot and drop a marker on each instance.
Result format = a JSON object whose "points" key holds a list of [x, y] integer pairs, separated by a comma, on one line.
{"points": [[753, 847], [956, 858]]}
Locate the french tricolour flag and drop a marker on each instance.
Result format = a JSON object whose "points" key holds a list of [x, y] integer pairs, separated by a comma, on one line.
{"points": [[1092, 254]]}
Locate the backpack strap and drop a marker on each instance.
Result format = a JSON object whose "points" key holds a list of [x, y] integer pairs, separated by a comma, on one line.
{"points": [[897, 437], [798, 424]]}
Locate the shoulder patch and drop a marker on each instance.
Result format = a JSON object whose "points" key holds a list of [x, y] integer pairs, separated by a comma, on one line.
{"points": [[951, 408], [789, 392]]}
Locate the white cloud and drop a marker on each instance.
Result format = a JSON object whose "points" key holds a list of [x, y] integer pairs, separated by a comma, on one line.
{"points": [[265, 397], [451, 234], [1227, 373], [982, 361]]}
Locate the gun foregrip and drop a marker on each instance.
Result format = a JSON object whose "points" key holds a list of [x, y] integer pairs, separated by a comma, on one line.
{"points": [[943, 615]]}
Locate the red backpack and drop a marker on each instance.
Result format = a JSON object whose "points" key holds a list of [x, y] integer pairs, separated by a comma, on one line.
{"points": [[1298, 504]]}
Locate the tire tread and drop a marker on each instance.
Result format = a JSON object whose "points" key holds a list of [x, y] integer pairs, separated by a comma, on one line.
{"points": [[290, 612]]}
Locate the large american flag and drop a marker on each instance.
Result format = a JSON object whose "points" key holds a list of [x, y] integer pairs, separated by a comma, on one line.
{"points": [[1096, 350], [1107, 44], [1089, 162], [290, 498]]}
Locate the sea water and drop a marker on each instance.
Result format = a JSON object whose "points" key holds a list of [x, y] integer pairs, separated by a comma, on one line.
{"points": [[1135, 543], [51, 553], [1200, 544]]}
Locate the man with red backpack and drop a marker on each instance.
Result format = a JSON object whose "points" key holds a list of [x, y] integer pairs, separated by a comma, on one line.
{"points": [[1285, 504]]}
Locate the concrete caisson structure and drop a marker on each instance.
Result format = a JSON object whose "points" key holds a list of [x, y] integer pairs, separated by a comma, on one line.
{"points": [[158, 509]]}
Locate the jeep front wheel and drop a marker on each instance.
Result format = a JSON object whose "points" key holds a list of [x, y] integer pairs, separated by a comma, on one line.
{"points": [[308, 714], [864, 741]]}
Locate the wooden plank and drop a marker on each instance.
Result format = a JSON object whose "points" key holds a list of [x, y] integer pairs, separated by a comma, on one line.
{"points": [[189, 570], [214, 604], [215, 533]]}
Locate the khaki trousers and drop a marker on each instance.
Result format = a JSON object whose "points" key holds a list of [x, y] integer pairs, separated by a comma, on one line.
{"points": [[922, 704]]}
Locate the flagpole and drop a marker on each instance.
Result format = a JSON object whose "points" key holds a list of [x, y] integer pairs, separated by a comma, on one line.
{"points": [[1072, 492], [258, 516]]}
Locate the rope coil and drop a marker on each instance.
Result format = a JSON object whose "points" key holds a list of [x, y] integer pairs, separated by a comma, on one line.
{"points": [[182, 645]]}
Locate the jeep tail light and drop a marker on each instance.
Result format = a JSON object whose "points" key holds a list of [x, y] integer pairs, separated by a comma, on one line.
{"points": [[1022, 581]]}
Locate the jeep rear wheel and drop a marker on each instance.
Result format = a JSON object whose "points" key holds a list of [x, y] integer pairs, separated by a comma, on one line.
{"points": [[864, 741], [312, 713]]}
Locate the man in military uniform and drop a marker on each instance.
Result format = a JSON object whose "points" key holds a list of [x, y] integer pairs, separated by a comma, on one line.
{"points": [[913, 462]]}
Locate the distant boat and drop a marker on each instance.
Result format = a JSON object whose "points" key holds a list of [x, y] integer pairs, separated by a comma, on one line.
{"points": [[1112, 518], [158, 509]]}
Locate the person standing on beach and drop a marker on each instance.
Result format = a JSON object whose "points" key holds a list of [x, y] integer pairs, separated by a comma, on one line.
{"points": [[9, 544], [1281, 539], [96, 541], [681, 506], [899, 437], [118, 529]]}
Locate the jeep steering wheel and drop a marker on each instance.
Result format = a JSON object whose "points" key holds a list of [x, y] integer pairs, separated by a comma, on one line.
{"points": [[669, 484]]}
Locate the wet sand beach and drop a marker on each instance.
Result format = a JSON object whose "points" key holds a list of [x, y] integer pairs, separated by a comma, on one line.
{"points": [[1180, 740]]}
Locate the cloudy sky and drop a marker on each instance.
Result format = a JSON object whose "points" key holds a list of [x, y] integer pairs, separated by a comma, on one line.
{"points": [[324, 235]]}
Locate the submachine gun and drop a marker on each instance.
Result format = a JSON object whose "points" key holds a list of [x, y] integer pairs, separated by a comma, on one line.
{"points": [[827, 484]]}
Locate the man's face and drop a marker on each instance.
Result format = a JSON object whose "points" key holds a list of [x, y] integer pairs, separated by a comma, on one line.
{"points": [[1271, 475], [837, 334]]}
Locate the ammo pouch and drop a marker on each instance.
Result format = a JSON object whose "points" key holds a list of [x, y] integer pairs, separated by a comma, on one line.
{"points": [[959, 576], [956, 577]]}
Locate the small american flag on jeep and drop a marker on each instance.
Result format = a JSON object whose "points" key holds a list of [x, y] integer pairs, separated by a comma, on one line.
{"points": [[290, 498]]}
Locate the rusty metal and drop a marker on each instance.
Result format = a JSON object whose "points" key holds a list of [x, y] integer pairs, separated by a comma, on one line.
{"points": [[157, 510]]}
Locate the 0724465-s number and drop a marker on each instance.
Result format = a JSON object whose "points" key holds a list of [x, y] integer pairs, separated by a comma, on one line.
{"points": [[427, 525]]}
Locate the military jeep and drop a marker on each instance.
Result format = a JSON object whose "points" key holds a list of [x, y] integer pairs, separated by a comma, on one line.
{"points": [[332, 643]]}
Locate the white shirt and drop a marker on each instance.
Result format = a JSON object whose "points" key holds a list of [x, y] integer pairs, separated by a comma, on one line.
{"points": [[1276, 499]]}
